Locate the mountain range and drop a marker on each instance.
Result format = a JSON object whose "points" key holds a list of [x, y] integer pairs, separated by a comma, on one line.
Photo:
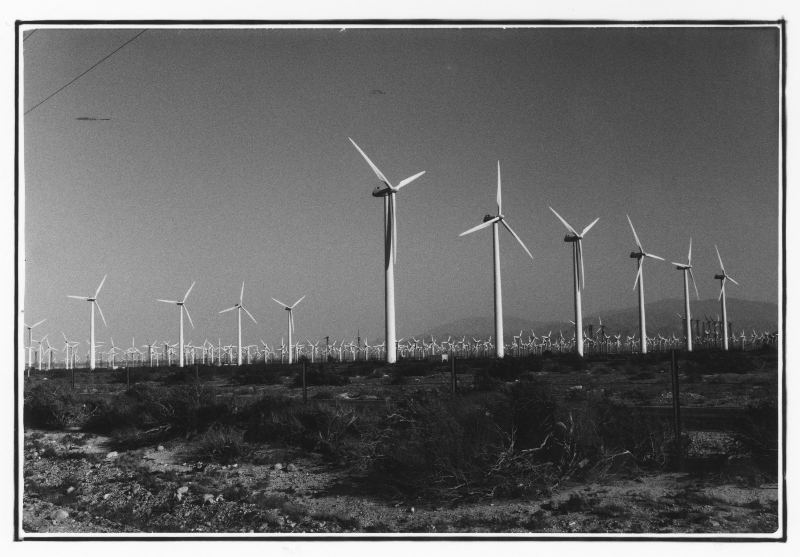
{"points": [[661, 317]]}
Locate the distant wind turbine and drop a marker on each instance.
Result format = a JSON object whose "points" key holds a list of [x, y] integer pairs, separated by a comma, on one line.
{"points": [[494, 222], [723, 278], [182, 308], [30, 346], [290, 325], [93, 302], [687, 272], [388, 191], [239, 307], [578, 276], [640, 256]]}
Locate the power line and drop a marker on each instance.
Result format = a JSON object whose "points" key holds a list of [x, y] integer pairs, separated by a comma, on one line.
{"points": [[103, 59]]}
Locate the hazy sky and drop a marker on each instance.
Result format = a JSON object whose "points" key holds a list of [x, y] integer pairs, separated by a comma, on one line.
{"points": [[226, 159]]}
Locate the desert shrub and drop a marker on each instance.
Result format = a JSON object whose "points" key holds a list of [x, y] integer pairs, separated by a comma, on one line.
{"points": [[308, 426], [221, 444], [48, 407], [319, 376], [295, 511], [482, 381], [757, 435], [256, 375]]}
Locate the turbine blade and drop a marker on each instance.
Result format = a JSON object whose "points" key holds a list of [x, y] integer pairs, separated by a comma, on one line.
{"points": [[733, 281], [291, 321], [721, 290], [229, 309], [589, 227], [654, 256], [101, 313], [638, 275], [691, 274], [564, 222], [38, 323], [184, 308], [84, 298], [167, 301], [499, 195], [635, 236], [241, 294], [580, 259], [690, 251], [677, 264], [721, 266], [517, 237], [101, 286], [250, 315], [187, 292], [480, 226], [375, 169], [408, 180], [279, 302], [298, 301]]}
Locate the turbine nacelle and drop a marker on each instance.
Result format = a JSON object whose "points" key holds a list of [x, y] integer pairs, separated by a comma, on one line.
{"points": [[720, 277], [382, 191]]}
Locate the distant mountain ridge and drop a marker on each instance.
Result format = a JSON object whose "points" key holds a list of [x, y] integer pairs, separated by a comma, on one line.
{"points": [[661, 317]]}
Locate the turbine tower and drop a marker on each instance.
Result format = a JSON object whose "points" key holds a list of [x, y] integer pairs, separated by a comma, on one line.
{"points": [[290, 324], [687, 272], [182, 308], [639, 256], [723, 278], [388, 191], [30, 348], [577, 274], [239, 307], [494, 222], [93, 302]]}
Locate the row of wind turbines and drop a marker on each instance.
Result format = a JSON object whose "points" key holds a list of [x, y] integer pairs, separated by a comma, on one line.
{"points": [[389, 192]]}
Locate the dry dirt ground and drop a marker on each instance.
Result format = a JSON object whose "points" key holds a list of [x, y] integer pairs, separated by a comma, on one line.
{"points": [[75, 483]]}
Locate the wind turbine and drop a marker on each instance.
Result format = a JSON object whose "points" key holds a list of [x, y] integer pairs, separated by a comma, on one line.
{"points": [[93, 302], [182, 308], [723, 278], [494, 222], [30, 348], [388, 191], [687, 272], [239, 307], [290, 325], [639, 256], [578, 276]]}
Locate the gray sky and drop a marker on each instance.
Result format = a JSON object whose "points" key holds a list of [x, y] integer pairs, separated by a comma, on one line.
{"points": [[226, 159]]}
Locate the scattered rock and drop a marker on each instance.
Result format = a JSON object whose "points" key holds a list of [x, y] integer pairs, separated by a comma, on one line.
{"points": [[208, 499], [291, 468], [70, 489], [112, 455], [277, 466], [106, 496], [160, 448], [58, 515], [181, 492]]}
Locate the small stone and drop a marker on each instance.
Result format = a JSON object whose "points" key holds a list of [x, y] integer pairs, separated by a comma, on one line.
{"points": [[235, 465], [411, 510], [291, 468], [183, 489], [112, 455], [277, 466], [59, 515], [160, 448], [106, 496], [208, 499], [70, 489]]}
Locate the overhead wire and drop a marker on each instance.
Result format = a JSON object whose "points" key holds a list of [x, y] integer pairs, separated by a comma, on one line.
{"points": [[93, 66]]}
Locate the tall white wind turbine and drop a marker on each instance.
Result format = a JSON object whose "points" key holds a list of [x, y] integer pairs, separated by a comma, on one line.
{"points": [[182, 308], [290, 325], [687, 317], [93, 302], [388, 191], [494, 222], [723, 278], [30, 346], [640, 256], [577, 273], [239, 307]]}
